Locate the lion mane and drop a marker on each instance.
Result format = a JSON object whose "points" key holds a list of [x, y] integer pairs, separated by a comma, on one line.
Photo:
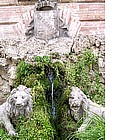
{"points": [[82, 107], [18, 103]]}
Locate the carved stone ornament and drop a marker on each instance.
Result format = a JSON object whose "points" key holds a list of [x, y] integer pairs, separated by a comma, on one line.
{"points": [[46, 20], [47, 23]]}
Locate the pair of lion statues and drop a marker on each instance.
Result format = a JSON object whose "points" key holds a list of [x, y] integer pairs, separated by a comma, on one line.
{"points": [[20, 103]]}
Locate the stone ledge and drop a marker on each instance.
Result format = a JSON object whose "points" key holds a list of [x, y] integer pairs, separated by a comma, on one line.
{"points": [[86, 11], [8, 2]]}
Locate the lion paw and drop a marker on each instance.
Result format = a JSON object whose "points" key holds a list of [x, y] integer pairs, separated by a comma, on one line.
{"points": [[12, 133]]}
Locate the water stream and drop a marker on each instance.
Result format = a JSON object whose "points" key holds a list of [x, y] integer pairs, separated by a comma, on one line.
{"points": [[51, 77], [53, 107]]}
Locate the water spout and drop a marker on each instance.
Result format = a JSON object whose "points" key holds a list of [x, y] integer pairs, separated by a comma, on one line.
{"points": [[51, 77]]}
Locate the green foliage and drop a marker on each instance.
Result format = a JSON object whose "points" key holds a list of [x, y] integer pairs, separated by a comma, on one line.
{"points": [[78, 74], [36, 127], [23, 70], [95, 130], [4, 135]]}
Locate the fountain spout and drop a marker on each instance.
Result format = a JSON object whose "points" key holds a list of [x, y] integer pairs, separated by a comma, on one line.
{"points": [[51, 76]]}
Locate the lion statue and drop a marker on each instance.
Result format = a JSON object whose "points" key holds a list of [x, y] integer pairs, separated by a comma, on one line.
{"points": [[18, 103], [81, 106]]}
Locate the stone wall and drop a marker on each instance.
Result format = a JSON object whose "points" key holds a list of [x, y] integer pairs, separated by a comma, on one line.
{"points": [[86, 18]]}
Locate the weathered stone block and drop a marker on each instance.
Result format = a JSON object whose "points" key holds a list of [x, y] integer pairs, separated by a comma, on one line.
{"points": [[46, 24]]}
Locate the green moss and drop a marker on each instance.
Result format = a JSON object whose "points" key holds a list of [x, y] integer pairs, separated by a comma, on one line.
{"points": [[65, 123], [78, 74]]}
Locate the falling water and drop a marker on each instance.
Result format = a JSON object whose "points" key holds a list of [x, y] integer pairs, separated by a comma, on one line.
{"points": [[53, 107], [50, 76]]}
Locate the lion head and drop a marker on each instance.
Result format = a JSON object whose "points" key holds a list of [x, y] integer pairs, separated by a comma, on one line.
{"points": [[78, 103], [20, 101]]}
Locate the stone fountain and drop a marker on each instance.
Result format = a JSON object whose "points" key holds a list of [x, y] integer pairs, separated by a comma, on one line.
{"points": [[45, 37]]}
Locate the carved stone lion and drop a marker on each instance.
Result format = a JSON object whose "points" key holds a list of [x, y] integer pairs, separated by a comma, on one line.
{"points": [[18, 103], [81, 106]]}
